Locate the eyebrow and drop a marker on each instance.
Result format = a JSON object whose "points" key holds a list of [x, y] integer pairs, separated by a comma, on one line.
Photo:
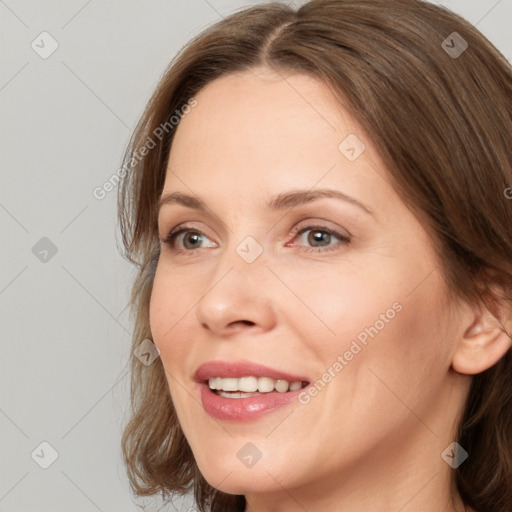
{"points": [[285, 200]]}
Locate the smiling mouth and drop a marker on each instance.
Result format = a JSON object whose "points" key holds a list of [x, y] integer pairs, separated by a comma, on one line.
{"points": [[245, 387]]}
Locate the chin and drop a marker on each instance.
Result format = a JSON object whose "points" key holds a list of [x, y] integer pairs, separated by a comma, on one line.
{"points": [[233, 478]]}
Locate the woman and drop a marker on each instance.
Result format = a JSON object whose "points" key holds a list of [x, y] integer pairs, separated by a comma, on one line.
{"points": [[316, 201]]}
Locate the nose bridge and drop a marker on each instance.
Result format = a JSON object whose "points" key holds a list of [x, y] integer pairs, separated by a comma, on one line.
{"points": [[243, 255], [237, 292]]}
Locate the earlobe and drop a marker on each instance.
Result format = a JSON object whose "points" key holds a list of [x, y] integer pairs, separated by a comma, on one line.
{"points": [[482, 345]]}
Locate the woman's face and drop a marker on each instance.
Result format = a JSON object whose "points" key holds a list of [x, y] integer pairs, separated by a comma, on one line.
{"points": [[344, 293]]}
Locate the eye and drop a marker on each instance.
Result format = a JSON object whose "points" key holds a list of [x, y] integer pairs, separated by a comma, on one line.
{"points": [[320, 238], [187, 239]]}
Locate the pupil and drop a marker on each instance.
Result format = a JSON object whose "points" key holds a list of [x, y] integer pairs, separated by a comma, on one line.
{"points": [[319, 236], [194, 237]]}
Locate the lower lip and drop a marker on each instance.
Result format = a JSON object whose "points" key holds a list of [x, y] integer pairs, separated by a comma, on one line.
{"points": [[244, 409]]}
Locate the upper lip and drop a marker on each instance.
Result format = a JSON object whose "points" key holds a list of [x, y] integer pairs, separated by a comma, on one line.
{"points": [[238, 369]]}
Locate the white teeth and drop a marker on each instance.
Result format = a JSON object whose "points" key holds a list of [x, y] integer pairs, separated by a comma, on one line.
{"points": [[294, 386], [236, 395], [248, 384], [282, 386], [230, 384], [266, 384], [251, 385]]}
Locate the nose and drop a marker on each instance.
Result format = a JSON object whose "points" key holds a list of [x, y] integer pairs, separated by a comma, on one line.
{"points": [[238, 297]]}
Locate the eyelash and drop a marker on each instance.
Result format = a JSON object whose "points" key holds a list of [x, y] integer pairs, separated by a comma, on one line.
{"points": [[299, 230]]}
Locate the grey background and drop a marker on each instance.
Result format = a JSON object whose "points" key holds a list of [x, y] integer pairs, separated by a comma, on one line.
{"points": [[65, 330]]}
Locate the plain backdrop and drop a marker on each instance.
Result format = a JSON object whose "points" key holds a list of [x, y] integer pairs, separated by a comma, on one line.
{"points": [[66, 118]]}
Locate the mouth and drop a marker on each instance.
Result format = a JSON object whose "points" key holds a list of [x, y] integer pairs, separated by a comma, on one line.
{"points": [[243, 390], [246, 387], [236, 405]]}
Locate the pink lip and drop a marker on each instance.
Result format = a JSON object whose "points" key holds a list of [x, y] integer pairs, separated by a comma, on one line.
{"points": [[243, 409], [241, 369]]}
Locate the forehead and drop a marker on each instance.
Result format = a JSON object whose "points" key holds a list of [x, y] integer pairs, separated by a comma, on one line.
{"points": [[258, 132], [268, 102]]}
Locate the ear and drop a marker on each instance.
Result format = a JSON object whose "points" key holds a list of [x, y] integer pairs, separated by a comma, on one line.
{"points": [[484, 342]]}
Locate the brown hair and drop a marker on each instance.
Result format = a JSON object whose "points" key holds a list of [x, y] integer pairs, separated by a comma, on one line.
{"points": [[442, 124]]}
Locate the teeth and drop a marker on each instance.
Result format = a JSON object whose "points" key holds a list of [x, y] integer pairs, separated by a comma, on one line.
{"points": [[236, 394], [248, 384], [229, 384], [294, 386], [253, 384], [266, 384], [282, 386]]}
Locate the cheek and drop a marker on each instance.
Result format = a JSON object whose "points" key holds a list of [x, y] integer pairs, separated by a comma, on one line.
{"points": [[379, 318], [166, 316], [167, 311], [409, 355], [158, 305], [334, 305]]}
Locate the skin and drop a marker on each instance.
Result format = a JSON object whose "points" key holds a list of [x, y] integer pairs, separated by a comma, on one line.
{"points": [[372, 438]]}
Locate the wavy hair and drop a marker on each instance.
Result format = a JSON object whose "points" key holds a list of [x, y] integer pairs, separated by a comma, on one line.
{"points": [[442, 122]]}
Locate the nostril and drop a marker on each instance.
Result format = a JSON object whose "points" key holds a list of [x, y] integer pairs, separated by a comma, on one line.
{"points": [[244, 322]]}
